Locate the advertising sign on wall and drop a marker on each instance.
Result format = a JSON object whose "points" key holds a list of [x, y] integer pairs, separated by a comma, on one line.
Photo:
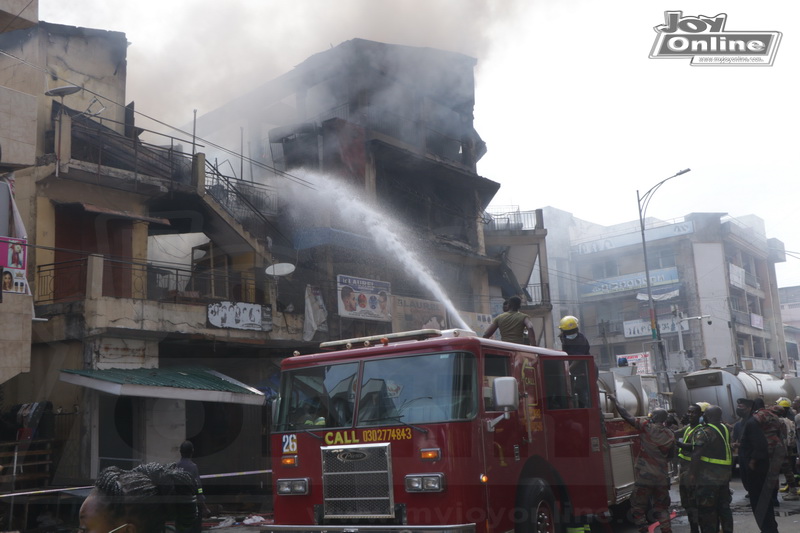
{"points": [[629, 282], [239, 315], [477, 322], [14, 261], [642, 328], [641, 360], [365, 299], [414, 313]]}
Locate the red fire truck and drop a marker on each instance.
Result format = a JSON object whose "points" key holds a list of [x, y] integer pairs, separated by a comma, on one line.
{"points": [[446, 431]]}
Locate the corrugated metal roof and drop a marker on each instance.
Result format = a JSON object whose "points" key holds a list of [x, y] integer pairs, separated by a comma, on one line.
{"points": [[184, 383]]}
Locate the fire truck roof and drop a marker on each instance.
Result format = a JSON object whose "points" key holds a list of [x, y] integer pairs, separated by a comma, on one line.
{"points": [[417, 334]]}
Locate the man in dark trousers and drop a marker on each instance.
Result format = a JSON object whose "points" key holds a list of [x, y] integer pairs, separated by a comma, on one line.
{"points": [[572, 341], [186, 463], [685, 447], [710, 473], [512, 324], [754, 464], [651, 470]]}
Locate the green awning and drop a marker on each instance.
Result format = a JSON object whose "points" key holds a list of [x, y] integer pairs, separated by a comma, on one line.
{"points": [[195, 384]]}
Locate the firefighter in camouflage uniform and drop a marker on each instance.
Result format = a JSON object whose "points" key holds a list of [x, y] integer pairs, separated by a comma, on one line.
{"points": [[651, 470], [769, 420], [710, 473]]}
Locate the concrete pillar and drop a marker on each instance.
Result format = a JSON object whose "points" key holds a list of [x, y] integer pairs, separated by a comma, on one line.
{"points": [[64, 141], [94, 277], [199, 173]]}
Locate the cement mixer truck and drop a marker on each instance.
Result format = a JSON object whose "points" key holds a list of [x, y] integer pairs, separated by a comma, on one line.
{"points": [[722, 386]]}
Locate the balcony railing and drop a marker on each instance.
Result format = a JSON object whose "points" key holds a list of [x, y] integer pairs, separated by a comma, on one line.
{"points": [[67, 281], [511, 219], [751, 280], [538, 294]]}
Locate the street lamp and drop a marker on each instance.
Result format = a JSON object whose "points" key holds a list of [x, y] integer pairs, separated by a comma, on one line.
{"points": [[660, 362], [681, 320], [61, 92]]}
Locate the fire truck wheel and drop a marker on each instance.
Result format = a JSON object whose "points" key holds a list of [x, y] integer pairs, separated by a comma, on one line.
{"points": [[537, 509]]}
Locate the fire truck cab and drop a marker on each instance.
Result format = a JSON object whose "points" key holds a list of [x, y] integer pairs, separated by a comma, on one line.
{"points": [[444, 431]]}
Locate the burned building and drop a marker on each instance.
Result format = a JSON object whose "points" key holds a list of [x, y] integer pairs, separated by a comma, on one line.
{"points": [[166, 286]]}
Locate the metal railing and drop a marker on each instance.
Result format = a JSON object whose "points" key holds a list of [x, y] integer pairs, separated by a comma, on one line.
{"points": [[96, 143], [67, 281], [537, 294], [71, 285], [511, 219], [249, 203]]}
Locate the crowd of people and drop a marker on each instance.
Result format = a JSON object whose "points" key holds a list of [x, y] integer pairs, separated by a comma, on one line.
{"points": [[764, 441]]}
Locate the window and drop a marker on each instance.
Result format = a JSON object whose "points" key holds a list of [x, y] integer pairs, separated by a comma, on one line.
{"points": [[605, 269], [663, 258], [566, 384], [418, 389], [320, 396], [494, 366]]}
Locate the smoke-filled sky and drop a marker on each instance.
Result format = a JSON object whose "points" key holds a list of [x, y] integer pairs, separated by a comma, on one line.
{"points": [[574, 112]]}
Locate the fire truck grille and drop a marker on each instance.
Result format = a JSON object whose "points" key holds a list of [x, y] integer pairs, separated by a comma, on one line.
{"points": [[356, 481]]}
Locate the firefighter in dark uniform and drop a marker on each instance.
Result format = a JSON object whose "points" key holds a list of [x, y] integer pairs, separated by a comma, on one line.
{"points": [[710, 473], [572, 341]]}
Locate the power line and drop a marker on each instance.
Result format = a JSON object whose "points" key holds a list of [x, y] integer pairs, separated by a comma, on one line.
{"points": [[10, 22]]}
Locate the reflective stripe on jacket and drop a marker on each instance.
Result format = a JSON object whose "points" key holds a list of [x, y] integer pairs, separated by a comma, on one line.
{"points": [[726, 438]]}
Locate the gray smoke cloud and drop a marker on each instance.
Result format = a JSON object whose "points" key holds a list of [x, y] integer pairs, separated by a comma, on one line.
{"points": [[199, 54]]}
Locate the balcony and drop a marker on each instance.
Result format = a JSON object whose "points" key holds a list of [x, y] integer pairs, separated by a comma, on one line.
{"points": [[98, 294], [512, 219], [67, 281], [538, 295]]}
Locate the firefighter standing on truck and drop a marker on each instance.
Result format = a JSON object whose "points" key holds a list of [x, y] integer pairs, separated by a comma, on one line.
{"points": [[572, 341], [512, 324], [710, 473], [651, 470]]}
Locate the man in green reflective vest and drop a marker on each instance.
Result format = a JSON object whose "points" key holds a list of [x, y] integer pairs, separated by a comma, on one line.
{"points": [[685, 447], [710, 473]]}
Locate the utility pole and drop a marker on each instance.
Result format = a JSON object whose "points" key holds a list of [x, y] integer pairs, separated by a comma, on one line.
{"points": [[659, 362]]}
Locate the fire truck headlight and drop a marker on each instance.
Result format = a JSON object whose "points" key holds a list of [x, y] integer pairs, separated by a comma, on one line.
{"points": [[432, 483], [288, 487], [425, 483]]}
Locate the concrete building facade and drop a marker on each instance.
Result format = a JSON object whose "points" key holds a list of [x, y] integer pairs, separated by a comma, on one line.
{"points": [[712, 278]]}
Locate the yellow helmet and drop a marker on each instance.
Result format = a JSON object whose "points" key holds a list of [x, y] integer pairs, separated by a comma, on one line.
{"points": [[784, 402], [703, 406], [567, 323]]}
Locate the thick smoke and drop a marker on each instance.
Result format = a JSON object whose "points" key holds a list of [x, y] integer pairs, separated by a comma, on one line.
{"points": [[200, 54]]}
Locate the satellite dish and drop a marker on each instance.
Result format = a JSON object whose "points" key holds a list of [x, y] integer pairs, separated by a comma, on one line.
{"points": [[66, 90], [280, 269]]}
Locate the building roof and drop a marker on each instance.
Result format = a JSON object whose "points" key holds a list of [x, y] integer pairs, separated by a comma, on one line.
{"points": [[197, 384]]}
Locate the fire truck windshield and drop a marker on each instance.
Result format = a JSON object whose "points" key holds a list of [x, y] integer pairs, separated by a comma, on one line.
{"points": [[406, 390]]}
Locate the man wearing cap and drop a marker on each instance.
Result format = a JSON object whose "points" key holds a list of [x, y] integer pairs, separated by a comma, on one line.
{"points": [[685, 447], [754, 461], [710, 473], [651, 470]]}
